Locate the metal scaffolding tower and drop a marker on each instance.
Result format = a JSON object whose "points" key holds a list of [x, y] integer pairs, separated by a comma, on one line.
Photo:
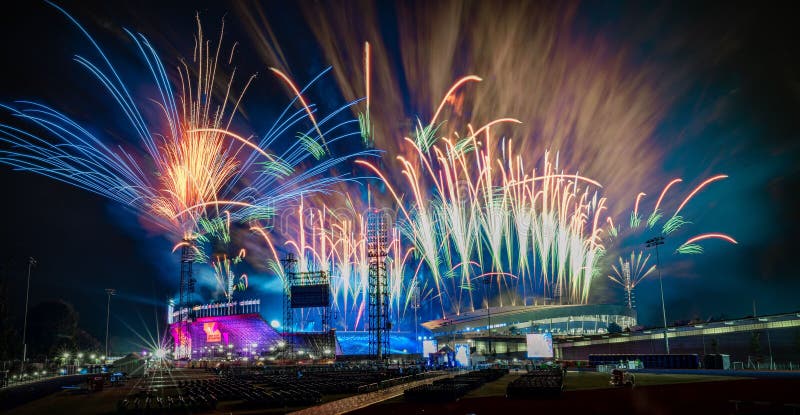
{"points": [[185, 296], [626, 272], [377, 247], [289, 271], [187, 280], [312, 291]]}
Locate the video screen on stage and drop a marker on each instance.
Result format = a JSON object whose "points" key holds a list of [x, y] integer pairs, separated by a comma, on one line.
{"points": [[429, 346], [540, 345], [462, 354], [317, 295]]}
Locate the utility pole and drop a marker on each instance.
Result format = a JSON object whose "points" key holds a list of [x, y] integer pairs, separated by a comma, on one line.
{"points": [[654, 243], [31, 262], [109, 292]]}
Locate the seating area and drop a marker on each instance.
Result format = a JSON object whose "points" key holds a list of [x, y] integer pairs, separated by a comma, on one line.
{"points": [[232, 389], [276, 387], [322, 380], [537, 382], [150, 402], [447, 390]]}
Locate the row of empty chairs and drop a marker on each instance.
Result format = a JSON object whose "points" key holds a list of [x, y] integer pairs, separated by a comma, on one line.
{"points": [[548, 381], [446, 390], [265, 388], [150, 403], [234, 389]]}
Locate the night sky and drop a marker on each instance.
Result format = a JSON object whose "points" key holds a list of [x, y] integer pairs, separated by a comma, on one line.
{"points": [[735, 110]]}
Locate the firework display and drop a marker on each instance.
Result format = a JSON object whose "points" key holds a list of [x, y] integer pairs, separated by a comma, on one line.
{"points": [[179, 163], [484, 211], [192, 165]]}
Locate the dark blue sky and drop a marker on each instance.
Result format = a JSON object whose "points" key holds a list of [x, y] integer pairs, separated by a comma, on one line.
{"points": [[736, 113]]}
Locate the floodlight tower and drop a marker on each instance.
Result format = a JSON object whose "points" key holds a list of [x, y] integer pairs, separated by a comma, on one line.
{"points": [[109, 292], [487, 281], [416, 304], [31, 263], [654, 243]]}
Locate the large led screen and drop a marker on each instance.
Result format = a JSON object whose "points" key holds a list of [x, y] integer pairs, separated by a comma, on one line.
{"points": [[462, 354], [317, 295], [540, 345], [428, 347]]}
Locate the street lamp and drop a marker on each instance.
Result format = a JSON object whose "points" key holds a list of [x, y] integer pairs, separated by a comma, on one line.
{"points": [[654, 243], [109, 292], [31, 263]]}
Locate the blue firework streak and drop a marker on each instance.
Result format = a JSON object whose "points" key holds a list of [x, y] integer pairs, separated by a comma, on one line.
{"points": [[192, 168]]}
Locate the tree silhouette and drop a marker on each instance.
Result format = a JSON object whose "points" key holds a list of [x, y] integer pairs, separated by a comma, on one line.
{"points": [[52, 328], [755, 344], [9, 337]]}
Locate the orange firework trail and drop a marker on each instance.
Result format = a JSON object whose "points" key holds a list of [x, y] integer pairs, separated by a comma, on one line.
{"points": [[574, 92], [471, 209], [191, 163], [469, 200], [335, 242], [539, 225]]}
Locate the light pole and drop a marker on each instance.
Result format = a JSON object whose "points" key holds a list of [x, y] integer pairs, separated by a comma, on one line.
{"points": [[109, 292], [31, 263], [654, 243], [486, 281]]}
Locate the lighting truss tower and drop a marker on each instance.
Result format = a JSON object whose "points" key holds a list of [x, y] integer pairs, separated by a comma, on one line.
{"points": [[377, 247], [289, 272], [185, 294], [626, 272], [305, 290], [187, 281], [416, 305]]}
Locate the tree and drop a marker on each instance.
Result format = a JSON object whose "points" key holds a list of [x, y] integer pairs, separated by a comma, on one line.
{"points": [[614, 328], [85, 341], [9, 338], [797, 340], [755, 344], [52, 328]]}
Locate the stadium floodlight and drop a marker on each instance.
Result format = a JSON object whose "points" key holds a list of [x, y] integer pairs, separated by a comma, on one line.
{"points": [[654, 243], [31, 263], [109, 293]]}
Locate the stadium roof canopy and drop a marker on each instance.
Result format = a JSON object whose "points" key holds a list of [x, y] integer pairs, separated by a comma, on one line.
{"points": [[526, 316]]}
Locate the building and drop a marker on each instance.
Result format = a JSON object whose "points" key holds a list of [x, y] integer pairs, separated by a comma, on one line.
{"points": [[581, 330], [502, 329]]}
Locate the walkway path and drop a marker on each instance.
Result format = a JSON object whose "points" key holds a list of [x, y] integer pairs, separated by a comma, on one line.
{"points": [[365, 399]]}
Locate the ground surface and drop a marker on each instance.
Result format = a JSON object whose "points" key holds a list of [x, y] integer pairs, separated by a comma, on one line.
{"points": [[589, 393], [105, 402], [586, 392]]}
